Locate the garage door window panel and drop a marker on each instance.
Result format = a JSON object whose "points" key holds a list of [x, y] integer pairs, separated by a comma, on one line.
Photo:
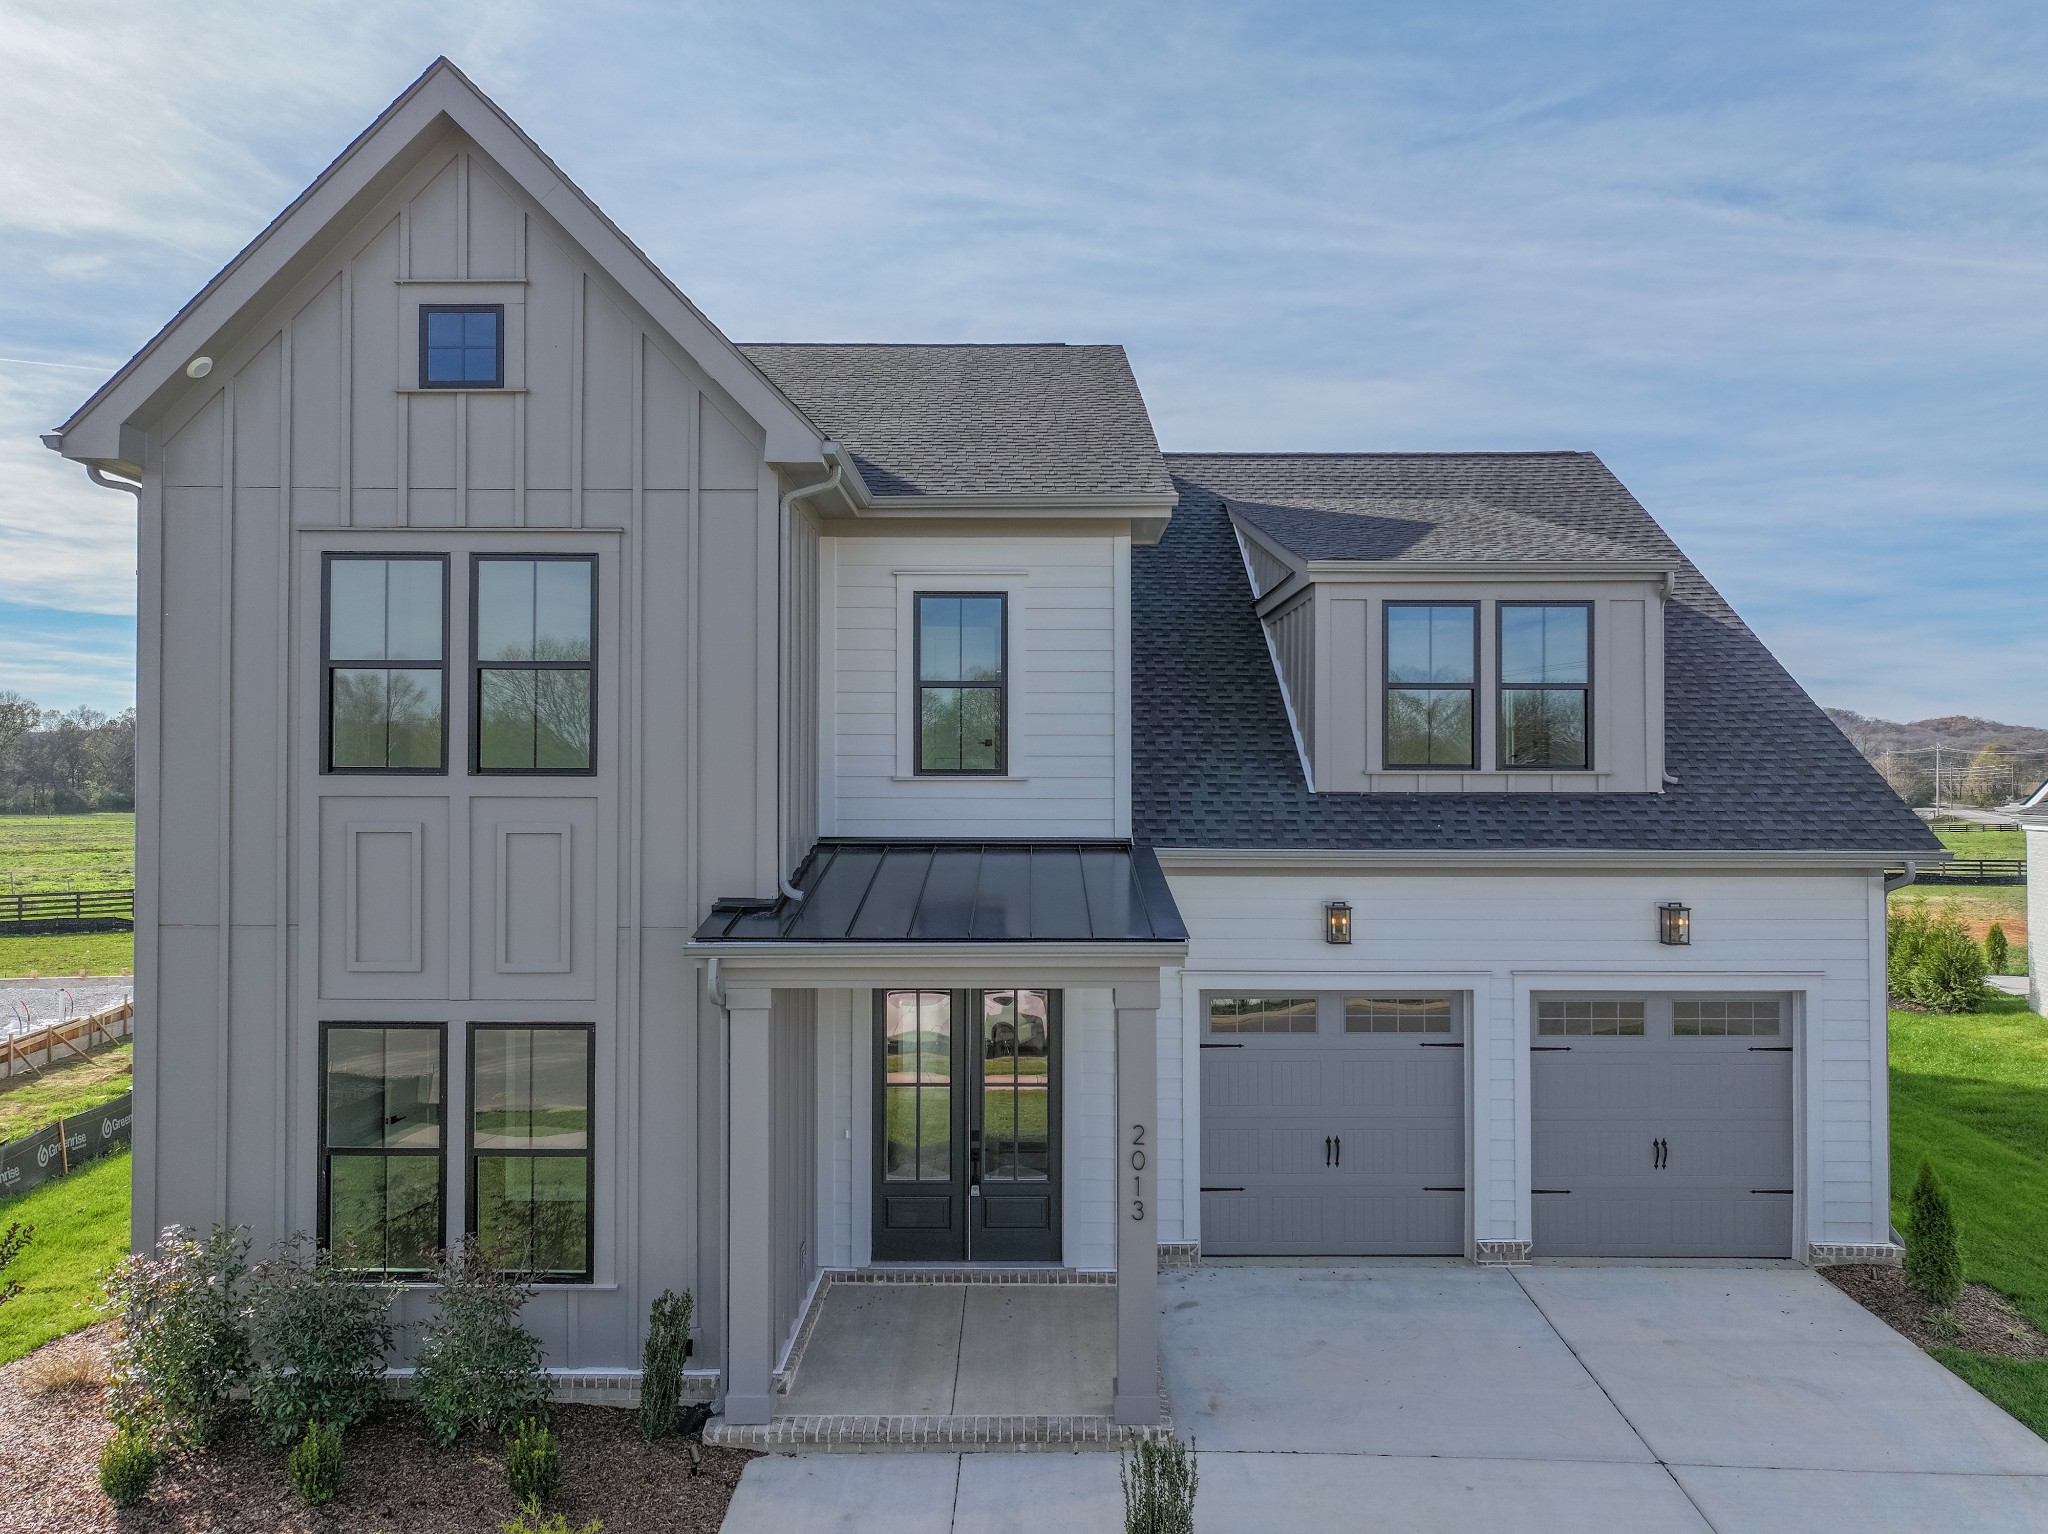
{"points": [[1262, 1014], [1398, 1014], [1726, 1019], [1590, 1019]]}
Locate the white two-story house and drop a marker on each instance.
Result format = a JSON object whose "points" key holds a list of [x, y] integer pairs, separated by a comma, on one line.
{"points": [[707, 816]]}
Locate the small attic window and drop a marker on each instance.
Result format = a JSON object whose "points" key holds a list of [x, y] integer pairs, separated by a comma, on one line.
{"points": [[462, 346]]}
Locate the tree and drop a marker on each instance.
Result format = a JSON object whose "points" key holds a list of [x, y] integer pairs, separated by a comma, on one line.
{"points": [[1997, 948], [1934, 1259], [1992, 777]]}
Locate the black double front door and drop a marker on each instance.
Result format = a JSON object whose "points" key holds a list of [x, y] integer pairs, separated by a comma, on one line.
{"points": [[967, 1126]]}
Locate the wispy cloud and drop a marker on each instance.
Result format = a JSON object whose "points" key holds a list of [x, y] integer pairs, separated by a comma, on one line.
{"points": [[1780, 267]]}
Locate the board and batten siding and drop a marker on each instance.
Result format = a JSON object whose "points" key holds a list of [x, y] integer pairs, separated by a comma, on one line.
{"points": [[1069, 701], [1291, 633], [1503, 936], [264, 885]]}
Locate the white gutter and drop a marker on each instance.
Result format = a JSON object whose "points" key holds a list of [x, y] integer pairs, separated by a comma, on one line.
{"points": [[1912, 872], [789, 500], [1533, 860]]}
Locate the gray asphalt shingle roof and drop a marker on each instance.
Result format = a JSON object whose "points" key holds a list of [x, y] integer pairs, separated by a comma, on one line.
{"points": [[1759, 766], [977, 420]]}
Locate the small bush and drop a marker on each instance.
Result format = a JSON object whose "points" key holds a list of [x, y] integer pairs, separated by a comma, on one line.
{"points": [[1159, 1481], [182, 1344], [1932, 962], [477, 1366], [533, 1462], [532, 1521], [662, 1361], [53, 1371], [320, 1332], [1997, 949], [314, 1468], [11, 1245], [1934, 1260], [128, 1464]]}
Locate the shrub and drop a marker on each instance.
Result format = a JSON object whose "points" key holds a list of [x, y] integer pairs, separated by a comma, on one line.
{"points": [[1932, 962], [314, 1468], [532, 1521], [661, 1363], [182, 1344], [1997, 949], [1934, 1261], [533, 1462], [1159, 1481], [320, 1334], [128, 1464], [477, 1365], [11, 1245]]}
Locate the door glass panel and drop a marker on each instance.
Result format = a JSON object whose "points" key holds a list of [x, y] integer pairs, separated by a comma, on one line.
{"points": [[917, 1045], [1590, 1019], [1016, 1087]]}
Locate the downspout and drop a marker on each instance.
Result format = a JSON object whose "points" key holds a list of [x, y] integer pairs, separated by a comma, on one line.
{"points": [[102, 478], [1900, 881], [782, 601]]}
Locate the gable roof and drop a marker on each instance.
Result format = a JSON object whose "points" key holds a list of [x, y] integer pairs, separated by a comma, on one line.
{"points": [[982, 421], [360, 174], [1759, 767], [1389, 529]]}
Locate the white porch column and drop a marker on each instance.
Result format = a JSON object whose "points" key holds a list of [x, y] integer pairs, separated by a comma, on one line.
{"points": [[749, 1256], [1137, 1213]]}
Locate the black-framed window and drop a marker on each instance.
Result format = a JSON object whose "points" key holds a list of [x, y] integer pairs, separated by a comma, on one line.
{"points": [[1432, 684], [381, 1138], [384, 647], [1546, 680], [533, 649], [530, 1170], [462, 346], [963, 653]]}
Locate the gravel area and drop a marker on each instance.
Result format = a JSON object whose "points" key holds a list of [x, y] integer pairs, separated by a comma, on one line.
{"points": [[44, 1000], [1986, 1320], [394, 1481]]}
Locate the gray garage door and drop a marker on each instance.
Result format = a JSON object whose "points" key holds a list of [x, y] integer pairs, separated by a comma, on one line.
{"points": [[1662, 1127], [1333, 1125]]}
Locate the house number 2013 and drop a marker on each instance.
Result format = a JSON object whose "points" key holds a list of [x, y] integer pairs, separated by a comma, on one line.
{"points": [[1137, 1171]]}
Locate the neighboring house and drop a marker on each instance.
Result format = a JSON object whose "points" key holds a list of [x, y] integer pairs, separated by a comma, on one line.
{"points": [[701, 815]]}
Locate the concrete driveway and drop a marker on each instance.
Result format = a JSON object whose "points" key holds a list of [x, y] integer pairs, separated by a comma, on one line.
{"points": [[1423, 1397]]}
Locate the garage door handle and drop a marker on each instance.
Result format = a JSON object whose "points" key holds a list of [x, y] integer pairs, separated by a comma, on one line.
{"points": [[1340, 1150], [1770, 1190], [1326, 1150], [1770, 1049], [1222, 1190], [1550, 1190], [1550, 1049], [1660, 1154], [1440, 1046]]}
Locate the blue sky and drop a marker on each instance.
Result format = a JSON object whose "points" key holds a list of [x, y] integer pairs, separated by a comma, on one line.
{"points": [[1782, 266]]}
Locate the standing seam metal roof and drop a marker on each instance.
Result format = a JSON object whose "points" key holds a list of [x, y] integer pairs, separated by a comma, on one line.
{"points": [[1759, 767]]}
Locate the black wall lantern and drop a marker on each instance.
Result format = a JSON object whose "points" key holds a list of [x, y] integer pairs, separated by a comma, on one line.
{"points": [[1674, 923], [1337, 921]]}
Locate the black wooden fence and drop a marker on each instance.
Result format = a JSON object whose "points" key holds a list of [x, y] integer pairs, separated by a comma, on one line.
{"points": [[68, 911], [1975, 871]]}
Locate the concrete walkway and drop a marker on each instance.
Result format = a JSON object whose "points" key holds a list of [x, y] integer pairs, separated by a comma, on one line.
{"points": [[1424, 1397]]}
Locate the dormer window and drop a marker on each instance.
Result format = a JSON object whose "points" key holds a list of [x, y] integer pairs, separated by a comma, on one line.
{"points": [[462, 346], [1545, 676], [1432, 680]]}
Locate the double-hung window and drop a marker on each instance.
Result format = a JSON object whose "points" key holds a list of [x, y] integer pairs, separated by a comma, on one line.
{"points": [[962, 647], [1432, 684], [530, 1091], [1545, 684], [534, 629], [384, 656], [380, 1139]]}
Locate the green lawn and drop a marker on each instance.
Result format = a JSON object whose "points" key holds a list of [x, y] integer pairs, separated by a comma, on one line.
{"points": [[1970, 1095], [30, 1101], [40, 852], [68, 953], [81, 1225], [1985, 844]]}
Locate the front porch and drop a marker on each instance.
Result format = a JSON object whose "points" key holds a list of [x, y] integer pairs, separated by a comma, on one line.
{"points": [[944, 1056], [955, 1360]]}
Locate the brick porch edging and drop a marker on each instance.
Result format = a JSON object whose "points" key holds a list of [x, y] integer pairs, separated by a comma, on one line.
{"points": [[1840, 1254]]}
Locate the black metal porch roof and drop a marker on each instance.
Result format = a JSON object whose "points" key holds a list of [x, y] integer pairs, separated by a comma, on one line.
{"points": [[961, 892]]}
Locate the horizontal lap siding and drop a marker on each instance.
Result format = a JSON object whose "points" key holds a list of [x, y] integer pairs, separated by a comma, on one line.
{"points": [[1064, 648], [1480, 933]]}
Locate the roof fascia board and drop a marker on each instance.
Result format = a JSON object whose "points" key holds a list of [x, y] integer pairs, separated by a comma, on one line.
{"points": [[1321, 860], [1616, 570], [406, 126], [953, 503], [860, 965]]}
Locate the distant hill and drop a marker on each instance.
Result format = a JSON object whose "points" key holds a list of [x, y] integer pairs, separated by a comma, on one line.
{"points": [[1982, 761]]}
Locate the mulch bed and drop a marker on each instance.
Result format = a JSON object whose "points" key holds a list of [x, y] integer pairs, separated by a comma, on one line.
{"points": [[1986, 1321], [394, 1481]]}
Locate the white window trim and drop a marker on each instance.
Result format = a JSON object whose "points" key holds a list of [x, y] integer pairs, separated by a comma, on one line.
{"points": [[1014, 586]]}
